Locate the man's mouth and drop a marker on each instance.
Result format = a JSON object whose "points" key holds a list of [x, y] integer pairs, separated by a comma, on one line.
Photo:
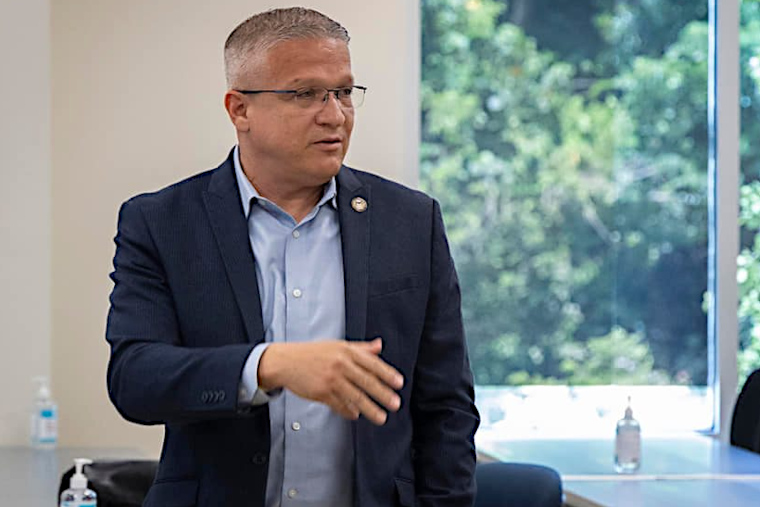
{"points": [[330, 141]]}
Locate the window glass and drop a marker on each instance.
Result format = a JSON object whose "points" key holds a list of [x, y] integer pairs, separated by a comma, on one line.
{"points": [[567, 142]]}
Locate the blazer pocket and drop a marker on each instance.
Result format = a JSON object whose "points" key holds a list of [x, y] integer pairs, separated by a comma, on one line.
{"points": [[405, 492], [393, 285], [182, 493]]}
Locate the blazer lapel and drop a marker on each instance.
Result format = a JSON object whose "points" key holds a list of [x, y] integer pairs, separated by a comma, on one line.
{"points": [[355, 238], [222, 200]]}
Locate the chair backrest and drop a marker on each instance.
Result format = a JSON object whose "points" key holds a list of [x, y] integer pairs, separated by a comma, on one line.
{"points": [[117, 483], [517, 485], [745, 424]]}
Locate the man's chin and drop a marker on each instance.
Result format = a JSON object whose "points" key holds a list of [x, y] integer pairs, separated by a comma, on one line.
{"points": [[330, 167], [318, 175]]}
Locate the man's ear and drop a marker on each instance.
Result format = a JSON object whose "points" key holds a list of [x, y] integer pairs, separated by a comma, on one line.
{"points": [[237, 109]]}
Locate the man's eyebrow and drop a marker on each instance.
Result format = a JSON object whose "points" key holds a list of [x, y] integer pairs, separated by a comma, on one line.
{"points": [[307, 83]]}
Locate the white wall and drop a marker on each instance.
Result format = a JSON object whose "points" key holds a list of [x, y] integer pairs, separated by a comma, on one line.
{"points": [[25, 219], [137, 104]]}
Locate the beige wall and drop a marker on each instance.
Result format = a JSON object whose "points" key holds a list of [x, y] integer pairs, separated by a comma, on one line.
{"points": [[24, 209], [137, 104]]}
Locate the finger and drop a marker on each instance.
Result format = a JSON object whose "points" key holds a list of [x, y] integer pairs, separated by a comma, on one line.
{"points": [[353, 397], [371, 385], [370, 410], [380, 369], [374, 346], [343, 407]]}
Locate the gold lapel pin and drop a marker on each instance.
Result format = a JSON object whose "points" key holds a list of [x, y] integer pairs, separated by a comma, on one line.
{"points": [[359, 204]]}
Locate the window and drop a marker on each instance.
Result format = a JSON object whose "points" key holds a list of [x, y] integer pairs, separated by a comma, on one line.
{"points": [[569, 144]]}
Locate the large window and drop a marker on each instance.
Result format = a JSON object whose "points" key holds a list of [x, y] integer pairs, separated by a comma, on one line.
{"points": [[569, 144]]}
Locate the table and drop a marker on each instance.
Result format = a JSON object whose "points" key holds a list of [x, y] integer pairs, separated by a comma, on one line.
{"points": [[30, 477], [692, 470]]}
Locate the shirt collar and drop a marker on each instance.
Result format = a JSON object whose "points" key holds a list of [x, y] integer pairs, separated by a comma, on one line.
{"points": [[248, 192]]}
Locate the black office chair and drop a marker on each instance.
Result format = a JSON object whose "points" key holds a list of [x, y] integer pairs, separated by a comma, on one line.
{"points": [[745, 424], [117, 483], [517, 485]]}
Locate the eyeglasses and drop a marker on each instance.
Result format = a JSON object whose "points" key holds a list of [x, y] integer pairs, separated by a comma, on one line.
{"points": [[348, 97]]}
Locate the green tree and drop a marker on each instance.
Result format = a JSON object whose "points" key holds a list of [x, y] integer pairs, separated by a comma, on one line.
{"points": [[566, 187]]}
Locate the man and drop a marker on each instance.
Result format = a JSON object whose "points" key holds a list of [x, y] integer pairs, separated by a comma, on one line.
{"points": [[295, 324]]}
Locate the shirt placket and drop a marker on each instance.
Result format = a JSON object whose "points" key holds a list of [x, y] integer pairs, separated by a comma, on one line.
{"points": [[300, 298]]}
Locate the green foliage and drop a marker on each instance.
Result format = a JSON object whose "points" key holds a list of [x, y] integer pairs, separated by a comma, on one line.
{"points": [[619, 357], [573, 179], [748, 277]]}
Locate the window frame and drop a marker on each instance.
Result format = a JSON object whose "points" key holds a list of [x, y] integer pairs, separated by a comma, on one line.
{"points": [[724, 181]]}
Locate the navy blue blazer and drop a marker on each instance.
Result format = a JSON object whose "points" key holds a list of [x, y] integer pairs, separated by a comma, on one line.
{"points": [[185, 313]]}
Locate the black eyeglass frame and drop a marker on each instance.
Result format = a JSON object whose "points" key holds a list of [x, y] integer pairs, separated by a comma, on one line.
{"points": [[334, 91]]}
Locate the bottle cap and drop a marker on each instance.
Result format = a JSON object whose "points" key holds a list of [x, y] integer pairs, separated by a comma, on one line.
{"points": [[79, 480], [43, 391], [628, 410]]}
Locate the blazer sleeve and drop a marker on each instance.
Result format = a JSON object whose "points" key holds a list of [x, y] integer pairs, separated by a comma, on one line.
{"points": [[442, 404], [152, 378]]}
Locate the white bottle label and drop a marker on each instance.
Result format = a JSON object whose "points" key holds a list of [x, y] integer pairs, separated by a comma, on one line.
{"points": [[628, 446], [47, 426], [87, 503]]}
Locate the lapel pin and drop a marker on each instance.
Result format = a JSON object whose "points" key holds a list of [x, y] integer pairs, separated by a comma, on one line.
{"points": [[359, 204]]}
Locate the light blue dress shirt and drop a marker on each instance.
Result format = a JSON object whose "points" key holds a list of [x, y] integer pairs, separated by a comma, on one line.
{"points": [[299, 270]]}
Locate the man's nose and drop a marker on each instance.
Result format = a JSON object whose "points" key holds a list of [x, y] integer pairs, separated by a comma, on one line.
{"points": [[331, 112]]}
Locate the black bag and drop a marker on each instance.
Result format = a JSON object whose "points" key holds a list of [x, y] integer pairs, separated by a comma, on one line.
{"points": [[117, 483]]}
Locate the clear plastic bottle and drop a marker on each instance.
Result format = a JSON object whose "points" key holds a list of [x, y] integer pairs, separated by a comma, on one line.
{"points": [[627, 443], [78, 495], [44, 431]]}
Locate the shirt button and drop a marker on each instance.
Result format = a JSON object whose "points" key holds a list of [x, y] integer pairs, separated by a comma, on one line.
{"points": [[296, 426], [296, 234], [297, 293], [292, 493]]}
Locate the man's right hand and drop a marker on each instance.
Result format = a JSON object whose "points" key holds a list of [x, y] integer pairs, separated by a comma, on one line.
{"points": [[349, 377]]}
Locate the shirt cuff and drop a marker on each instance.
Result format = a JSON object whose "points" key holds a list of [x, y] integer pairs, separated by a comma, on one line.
{"points": [[249, 393]]}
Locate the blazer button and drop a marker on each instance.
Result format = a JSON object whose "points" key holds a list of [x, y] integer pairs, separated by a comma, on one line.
{"points": [[259, 458]]}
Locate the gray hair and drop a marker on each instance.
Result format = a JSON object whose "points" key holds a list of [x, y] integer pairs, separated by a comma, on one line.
{"points": [[251, 39]]}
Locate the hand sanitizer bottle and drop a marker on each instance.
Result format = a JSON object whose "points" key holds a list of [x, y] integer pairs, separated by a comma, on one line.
{"points": [[627, 443], [78, 495], [44, 417]]}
